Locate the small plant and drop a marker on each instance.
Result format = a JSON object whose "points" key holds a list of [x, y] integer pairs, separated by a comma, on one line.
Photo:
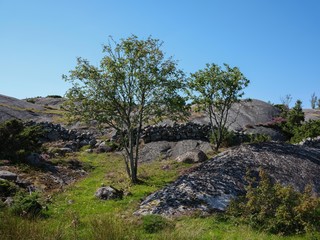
{"points": [[7, 188], [154, 223], [18, 140], [229, 138], [27, 205], [258, 138], [275, 208]]}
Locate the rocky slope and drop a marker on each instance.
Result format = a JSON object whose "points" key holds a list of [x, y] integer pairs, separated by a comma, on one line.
{"points": [[212, 185]]}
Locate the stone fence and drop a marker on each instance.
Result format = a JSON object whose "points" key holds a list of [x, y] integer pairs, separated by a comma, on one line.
{"points": [[55, 132], [176, 132]]}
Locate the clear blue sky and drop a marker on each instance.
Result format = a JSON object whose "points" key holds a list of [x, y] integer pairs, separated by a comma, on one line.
{"points": [[275, 43]]}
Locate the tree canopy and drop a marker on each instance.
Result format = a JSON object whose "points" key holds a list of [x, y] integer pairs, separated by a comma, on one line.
{"points": [[214, 90], [133, 85]]}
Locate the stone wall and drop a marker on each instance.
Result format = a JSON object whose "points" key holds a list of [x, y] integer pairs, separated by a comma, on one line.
{"points": [[55, 132], [176, 132]]}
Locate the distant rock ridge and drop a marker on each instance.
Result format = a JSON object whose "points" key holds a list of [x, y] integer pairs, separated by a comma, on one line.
{"points": [[212, 185]]}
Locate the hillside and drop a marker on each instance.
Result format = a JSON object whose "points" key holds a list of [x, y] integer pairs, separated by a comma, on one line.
{"points": [[39, 110], [74, 164]]}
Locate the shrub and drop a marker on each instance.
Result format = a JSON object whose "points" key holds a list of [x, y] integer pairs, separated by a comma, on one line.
{"points": [[27, 205], [258, 138], [53, 96], [7, 188], [275, 208], [154, 223], [310, 129], [230, 139], [18, 140]]}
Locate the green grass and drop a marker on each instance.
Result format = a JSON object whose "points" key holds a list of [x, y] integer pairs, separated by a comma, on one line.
{"points": [[76, 214]]}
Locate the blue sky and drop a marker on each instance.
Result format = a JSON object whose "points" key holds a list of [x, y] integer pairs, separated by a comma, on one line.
{"points": [[275, 43]]}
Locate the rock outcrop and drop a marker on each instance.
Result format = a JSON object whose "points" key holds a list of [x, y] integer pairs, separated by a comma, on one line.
{"points": [[193, 156], [165, 149], [211, 186]]}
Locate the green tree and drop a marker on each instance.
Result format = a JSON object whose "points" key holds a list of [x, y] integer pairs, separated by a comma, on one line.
{"points": [[313, 100], [134, 84], [296, 115], [214, 90]]}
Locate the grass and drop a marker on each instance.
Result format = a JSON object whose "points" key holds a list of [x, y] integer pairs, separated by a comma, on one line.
{"points": [[76, 214]]}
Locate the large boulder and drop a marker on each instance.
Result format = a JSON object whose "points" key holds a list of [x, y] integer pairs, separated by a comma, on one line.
{"points": [[108, 192], [165, 149], [8, 175], [193, 156], [212, 185]]}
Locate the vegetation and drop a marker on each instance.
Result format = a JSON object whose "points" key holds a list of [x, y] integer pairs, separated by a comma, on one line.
{"points": [[215, 90], [18, 140], [134, 84], [286, 100], [27, 205], [53, 96], [76, 214], [310, 129], [277, 209], [313, 100]]}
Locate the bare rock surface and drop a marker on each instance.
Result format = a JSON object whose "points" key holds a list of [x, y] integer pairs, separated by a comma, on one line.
{"points": [[210, 186], [165, 149], [311, 114], [245, 113], [13, 108], [193, 156], [7, 175]]}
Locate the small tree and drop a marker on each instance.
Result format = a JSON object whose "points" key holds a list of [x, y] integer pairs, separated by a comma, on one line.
{"points": [[215, 90], [296, 115], [313, 100], [133, 85]]}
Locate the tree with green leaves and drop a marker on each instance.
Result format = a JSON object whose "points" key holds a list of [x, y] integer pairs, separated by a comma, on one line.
{"points": [[215, 90], [133, 85], [296, 115]]}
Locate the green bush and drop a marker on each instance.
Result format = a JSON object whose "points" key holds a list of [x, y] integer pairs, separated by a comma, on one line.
{"points": [[53, 96], [310, 129], [154, 223], [27, 205], [229, 140], [7, 188], [18, 140], [276, 209], [258, 138]]}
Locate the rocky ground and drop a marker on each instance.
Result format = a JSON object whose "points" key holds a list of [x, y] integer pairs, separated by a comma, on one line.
{"points": [[212, 185], [206, 188]]}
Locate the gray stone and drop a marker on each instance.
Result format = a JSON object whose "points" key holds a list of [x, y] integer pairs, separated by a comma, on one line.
{"points": [[34, 159], [8, 175], [108, 192], [193, 156], [212, 185], [9, 201], [167, 149]]}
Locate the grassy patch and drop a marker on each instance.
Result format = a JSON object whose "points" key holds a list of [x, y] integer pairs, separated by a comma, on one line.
{"points": [[75, 213]]}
